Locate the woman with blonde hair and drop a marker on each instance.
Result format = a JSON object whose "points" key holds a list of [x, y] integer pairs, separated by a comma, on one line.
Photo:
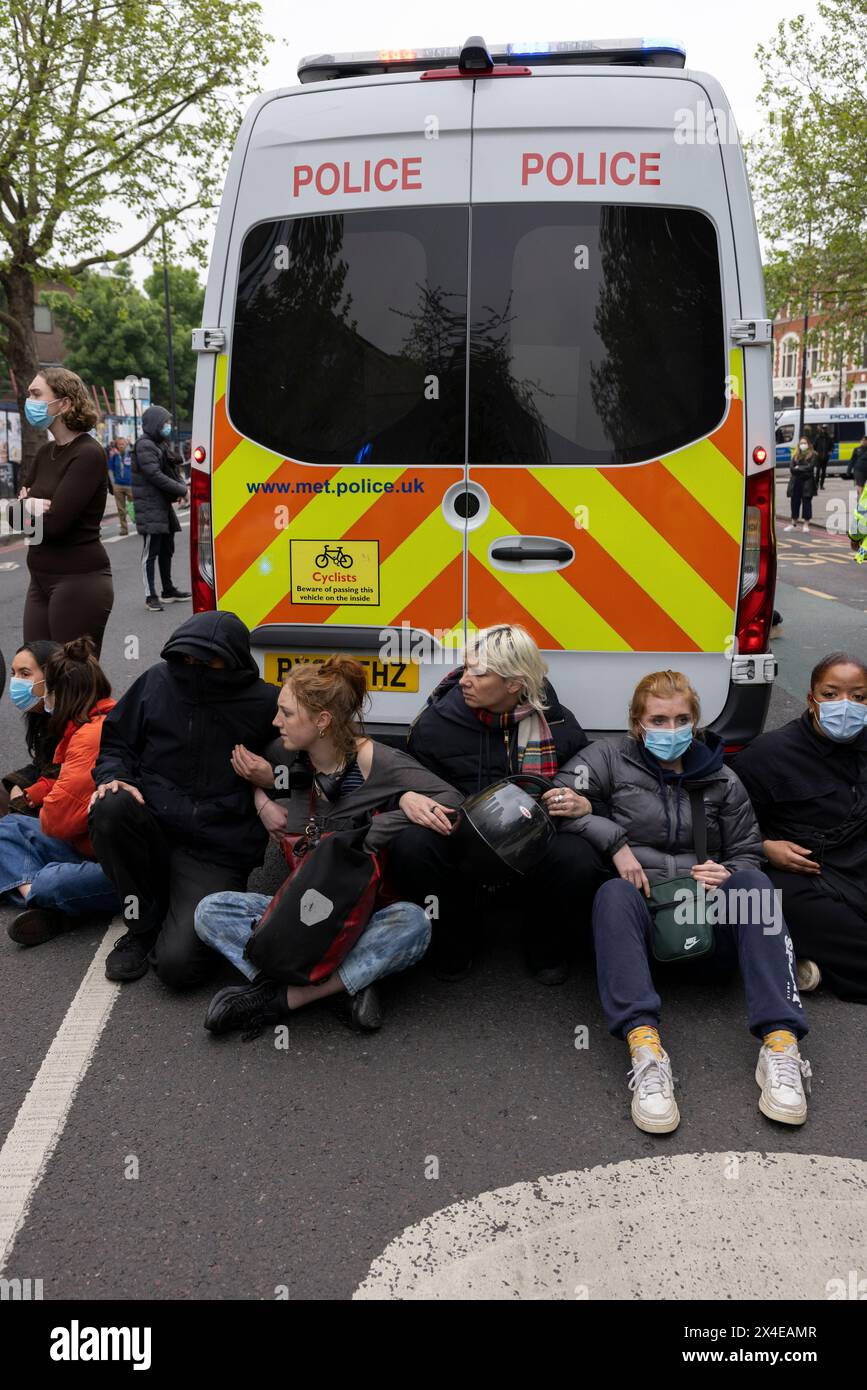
{"points": [[71, 591], [494, 717], [355, 781], [645, 785]]}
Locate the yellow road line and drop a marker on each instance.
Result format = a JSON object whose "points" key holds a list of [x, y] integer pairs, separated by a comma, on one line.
{"points": [[818, 592]]}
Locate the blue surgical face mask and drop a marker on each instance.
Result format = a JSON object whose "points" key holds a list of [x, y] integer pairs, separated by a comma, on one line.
{"points": [[166, 431], [21, 694], [667, 744], [38, 414], [842, 720]]}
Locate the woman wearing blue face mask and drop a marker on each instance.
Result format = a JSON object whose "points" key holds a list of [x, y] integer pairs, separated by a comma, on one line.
{"points": [[641, 789], [808, 783], [71, 591], [24, 789]]}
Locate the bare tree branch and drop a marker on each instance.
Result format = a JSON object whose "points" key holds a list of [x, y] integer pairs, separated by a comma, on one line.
{"points": [[110, 256]]}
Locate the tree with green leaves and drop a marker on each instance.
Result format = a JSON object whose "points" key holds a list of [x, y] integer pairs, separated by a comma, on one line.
{"points": [[125, 103], [111, 329], [807, 165]]}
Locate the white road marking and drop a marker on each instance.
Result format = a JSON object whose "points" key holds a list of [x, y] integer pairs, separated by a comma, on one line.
{"points": [[687, 1226], [10, 565], [44, 1110]]}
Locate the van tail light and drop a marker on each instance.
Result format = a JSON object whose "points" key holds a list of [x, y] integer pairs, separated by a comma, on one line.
{"points": [[201, 542], [758, 566], [452, 74]]}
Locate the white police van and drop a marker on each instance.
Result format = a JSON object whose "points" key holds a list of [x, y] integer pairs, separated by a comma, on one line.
{"points": [[485, 340]]}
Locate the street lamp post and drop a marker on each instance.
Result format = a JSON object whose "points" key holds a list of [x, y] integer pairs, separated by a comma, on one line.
{"points": [[170, 352]]}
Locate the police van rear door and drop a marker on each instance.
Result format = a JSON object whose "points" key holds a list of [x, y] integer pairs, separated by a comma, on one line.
{"points": [[343, 399], [606, 441]]}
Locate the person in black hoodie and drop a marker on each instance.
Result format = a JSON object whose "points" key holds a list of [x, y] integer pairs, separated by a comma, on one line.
{"points": [[156, 484], [495, 717], [808, 785], [171, 820]]}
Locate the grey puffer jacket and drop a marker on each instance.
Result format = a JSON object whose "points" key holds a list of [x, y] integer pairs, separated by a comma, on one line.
{"points": [[637, 803], [156, 478]]}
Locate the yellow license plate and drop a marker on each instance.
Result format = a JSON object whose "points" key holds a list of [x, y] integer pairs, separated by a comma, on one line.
{"points": [[384, 677]]}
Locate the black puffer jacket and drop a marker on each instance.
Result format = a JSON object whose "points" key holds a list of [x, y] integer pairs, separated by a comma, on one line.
{"points": [[452, 741], [172, 734], [639, 803], [156, 477]]}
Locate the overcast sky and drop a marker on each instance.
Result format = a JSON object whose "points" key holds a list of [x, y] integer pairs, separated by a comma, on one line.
{"points": [[720, 39]]}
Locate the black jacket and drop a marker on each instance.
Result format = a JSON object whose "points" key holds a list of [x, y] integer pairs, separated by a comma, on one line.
{"points": [[858, 465], [172, 734], [807, 788], [452, 741], [156, 477]]}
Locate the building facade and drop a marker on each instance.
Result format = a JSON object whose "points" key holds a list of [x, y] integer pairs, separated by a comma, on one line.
{"points": [[833, 379]]}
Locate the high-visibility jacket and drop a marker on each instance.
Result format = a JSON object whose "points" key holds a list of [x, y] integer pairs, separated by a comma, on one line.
{"points": [[858, 529]]}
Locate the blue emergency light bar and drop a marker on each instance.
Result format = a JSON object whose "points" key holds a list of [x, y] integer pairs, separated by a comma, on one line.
{"points": [[475, 57]]}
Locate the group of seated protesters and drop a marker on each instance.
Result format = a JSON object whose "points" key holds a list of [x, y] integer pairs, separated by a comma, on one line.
{"points": [[160, 805]]}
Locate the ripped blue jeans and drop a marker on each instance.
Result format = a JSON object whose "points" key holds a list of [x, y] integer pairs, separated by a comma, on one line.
{"points": [[394, 938]]}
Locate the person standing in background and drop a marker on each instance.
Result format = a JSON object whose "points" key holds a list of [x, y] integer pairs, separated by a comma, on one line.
{"points": [[802, 484], [71, 591], [156, 485], [120, 472], [823, 447]]}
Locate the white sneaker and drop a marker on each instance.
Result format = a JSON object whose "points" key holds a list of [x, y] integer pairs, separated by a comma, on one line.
{"points": [[809, 976], [784, 1079], [654, 1108], [805, 527], [790, 527]]}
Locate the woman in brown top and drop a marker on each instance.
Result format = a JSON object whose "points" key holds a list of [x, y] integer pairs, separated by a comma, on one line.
{"points": [[71, 591]]}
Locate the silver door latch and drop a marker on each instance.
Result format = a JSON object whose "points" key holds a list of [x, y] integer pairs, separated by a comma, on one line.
{"points": [[754, 670], [752, 332], [209, 339]]}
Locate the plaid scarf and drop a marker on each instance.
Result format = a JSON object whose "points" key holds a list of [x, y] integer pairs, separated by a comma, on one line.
{"points": [[536, 751]]}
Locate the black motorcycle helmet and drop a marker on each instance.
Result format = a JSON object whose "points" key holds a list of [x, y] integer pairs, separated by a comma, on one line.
{"points": [[504, 830]]}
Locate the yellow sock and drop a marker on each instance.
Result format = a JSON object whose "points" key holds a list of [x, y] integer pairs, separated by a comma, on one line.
{"points": [[780, 1039], [644, 1037]]}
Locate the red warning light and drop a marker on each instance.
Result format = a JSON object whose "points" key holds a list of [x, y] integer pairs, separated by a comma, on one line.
{"points": [[397, 55], [199, 454], [760, 454]]}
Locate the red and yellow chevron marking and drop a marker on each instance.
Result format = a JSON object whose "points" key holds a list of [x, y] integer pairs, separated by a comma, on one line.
{"points": [[656, 567], [420, 555]]}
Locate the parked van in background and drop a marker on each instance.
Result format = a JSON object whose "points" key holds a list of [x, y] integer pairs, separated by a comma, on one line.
{"points": [[846, 427], [485, 341]]}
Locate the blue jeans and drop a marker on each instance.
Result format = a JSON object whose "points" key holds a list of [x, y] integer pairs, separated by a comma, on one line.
{"points": [[62, 879], [621, 933], [394, 938]]}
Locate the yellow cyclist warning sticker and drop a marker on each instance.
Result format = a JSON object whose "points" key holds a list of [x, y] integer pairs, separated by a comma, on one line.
{"points": [[334, 571]]}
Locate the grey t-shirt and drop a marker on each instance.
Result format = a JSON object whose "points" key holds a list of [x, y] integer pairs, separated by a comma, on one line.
{"points": [[392, 773]]}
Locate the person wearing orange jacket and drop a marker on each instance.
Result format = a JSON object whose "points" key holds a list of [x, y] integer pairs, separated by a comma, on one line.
{"points": [[49, 868]]}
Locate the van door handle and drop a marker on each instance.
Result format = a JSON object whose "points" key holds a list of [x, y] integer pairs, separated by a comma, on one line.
{"points": [[556, 551]]}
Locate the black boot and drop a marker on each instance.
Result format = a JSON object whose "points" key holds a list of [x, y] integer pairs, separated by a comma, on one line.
{"points": [[362, 1011], [252, 1007]]}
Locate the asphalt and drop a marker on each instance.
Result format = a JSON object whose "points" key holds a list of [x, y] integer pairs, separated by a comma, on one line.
{"points": [[268, 1172]]}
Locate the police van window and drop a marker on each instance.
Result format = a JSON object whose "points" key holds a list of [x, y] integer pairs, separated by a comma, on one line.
{"points": [[349, 342], [849, 430], [785, 434], [596, 334]]}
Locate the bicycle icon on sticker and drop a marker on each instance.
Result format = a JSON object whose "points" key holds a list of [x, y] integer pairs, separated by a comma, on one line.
{"points": [[333, 555]]}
